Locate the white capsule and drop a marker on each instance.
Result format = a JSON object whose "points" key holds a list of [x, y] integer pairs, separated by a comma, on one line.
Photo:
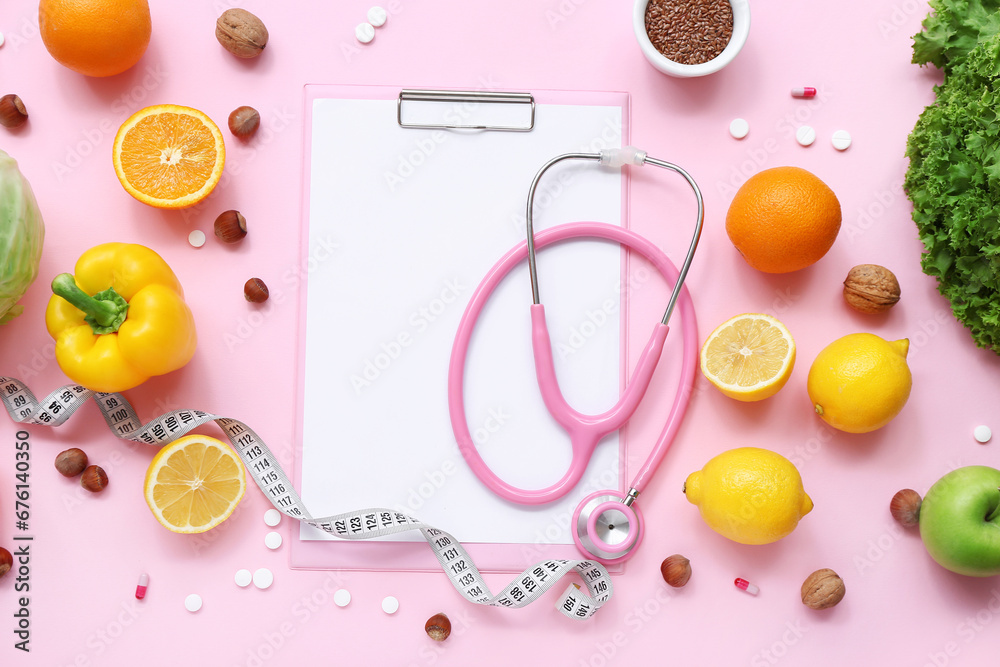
{"points": [[390, 605], [1, 39], [342, 597], [982, 434], [197, 238], [364, 33], [272, 540], [192, 602], [805, 135], [243, 578], [841, 140], [272, 518], [377, 16], [263, 578], [739, 128]]}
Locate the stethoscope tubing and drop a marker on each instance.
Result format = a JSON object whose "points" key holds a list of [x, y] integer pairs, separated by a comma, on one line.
{"points": [[466, 327]]}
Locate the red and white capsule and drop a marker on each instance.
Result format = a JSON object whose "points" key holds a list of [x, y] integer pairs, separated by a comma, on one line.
{"points": [[745, 585], [804, 92], [140, 589]]}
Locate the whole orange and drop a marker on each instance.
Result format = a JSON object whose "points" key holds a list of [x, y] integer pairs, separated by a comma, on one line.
{"points": [[95, 37], [783, 219]]}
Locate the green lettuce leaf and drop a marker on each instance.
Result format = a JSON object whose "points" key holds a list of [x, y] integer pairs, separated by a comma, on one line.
{"points": [[953, 179], [953, 29]]}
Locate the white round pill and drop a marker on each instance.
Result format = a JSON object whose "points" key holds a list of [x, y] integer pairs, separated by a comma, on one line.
{"points": [[1, 39], [243, 578], [197, 238], [739, 128], [272, 540], [272, 518], [805, 135], [841, 140], [192, 602], [364, 33], [263, 578], [390, 605], [342, 597], [983, 434], [377, 16]]}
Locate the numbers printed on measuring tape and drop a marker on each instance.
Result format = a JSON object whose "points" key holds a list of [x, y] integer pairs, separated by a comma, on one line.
{"points": [[121, 418]]}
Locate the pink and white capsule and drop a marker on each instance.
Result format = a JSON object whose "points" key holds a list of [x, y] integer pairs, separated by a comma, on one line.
{"points": [[140, 589], [745, 585]]}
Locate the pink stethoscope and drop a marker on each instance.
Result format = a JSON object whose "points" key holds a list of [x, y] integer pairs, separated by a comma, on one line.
{"points": [[608, 525]]}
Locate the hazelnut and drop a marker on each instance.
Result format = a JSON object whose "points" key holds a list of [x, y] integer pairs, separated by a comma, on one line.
{"points": [[243, 122], [94, 479], [255, 291], [905, 507], [12, 111], [438, 627], [241, 33], [822, 589], [870, 288], [676, 570], [6, 562], [71, 462], [230, 226]]}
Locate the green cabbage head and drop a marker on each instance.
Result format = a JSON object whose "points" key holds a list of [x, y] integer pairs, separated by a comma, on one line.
{"points": [[21, 236]]}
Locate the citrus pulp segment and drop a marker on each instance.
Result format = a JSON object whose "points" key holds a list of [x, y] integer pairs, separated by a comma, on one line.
{"points": [[194, 484], [748, 357], [169, 156]]}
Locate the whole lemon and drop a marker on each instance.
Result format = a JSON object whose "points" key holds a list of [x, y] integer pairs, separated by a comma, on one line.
{"points": [[860, 382], [750, 495]]}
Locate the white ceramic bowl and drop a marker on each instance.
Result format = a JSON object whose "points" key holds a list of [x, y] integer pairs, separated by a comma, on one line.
{"points": [[741, 28]]}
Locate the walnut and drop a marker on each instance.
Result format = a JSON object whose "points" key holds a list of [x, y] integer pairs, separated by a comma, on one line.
{"points": [[822, 589], [870, 288], [241, 33]]}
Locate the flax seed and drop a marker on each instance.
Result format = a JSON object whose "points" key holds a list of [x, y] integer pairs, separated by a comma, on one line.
{"points": [[689, 32]]}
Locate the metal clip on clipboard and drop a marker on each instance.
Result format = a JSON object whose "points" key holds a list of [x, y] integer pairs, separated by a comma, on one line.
{"points": [[461, 96]]}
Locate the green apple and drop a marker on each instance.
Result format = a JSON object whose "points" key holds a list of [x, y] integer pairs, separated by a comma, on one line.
{"points": [[960, 521]]}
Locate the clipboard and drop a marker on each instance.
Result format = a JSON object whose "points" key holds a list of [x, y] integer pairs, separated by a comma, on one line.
{"points": [[407, 204]]}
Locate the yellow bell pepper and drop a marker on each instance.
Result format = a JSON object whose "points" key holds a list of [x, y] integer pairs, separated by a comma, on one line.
{"points": [[121, 319]]}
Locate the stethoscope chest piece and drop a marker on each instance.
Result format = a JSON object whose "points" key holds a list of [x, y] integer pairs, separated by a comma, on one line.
{"points": [[606, 527]]}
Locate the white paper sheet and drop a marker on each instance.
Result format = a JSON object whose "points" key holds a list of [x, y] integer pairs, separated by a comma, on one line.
{"points": [[418, 217]]}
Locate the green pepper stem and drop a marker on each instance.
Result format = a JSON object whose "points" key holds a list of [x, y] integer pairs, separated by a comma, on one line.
{"points": [[105, 311]]}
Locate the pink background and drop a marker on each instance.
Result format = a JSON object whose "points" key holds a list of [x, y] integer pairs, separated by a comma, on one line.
{"points": [[901, 608]]}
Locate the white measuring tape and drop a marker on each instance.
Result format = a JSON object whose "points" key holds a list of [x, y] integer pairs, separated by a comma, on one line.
{"points": [[527, 587]]}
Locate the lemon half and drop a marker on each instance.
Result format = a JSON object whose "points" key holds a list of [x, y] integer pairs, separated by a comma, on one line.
{"points": [[194, 484], [748, 357]]}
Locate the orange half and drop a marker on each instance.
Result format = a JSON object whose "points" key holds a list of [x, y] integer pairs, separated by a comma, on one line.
{"points": [[169, 156]]}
